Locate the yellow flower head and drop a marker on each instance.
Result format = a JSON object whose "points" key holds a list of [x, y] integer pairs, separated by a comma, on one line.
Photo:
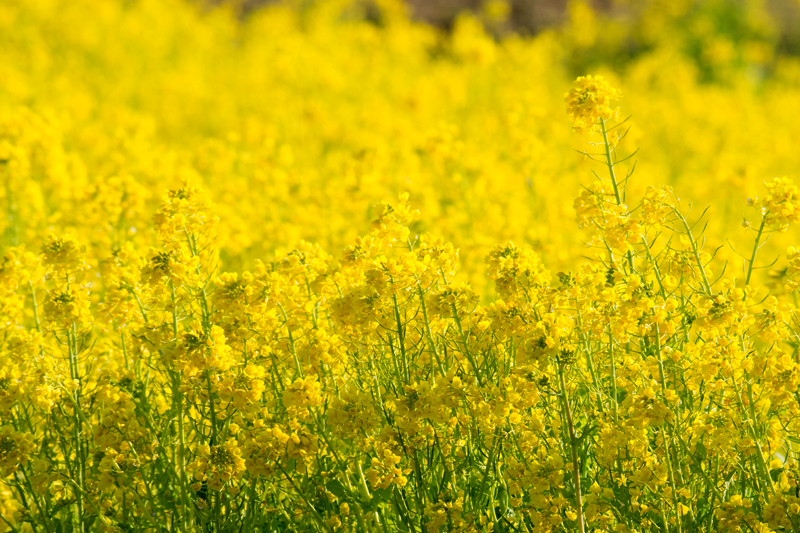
{"points": [[303, 393], [515, 269], [589, 101], [782, 204], [62, 309], [459, 299], [186, 211], [63, 254], [199, 352], [220, 466], [15, 449]]}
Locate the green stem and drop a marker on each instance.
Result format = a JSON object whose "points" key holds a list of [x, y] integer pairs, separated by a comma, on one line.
{"points": [[467, 353], [178, 399], [761, 463], [610, 161], [670, 470], [314, 513], [755, 249], [213, 411], [695, 252], [618, 195], [182, 457], [710, 521], [428, 331], [80, 470], [401, 338], [573, 444], [488, 469], [613, 375]]}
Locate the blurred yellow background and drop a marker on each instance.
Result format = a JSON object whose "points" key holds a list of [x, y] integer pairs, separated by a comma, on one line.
{"points": [[300, 117]]}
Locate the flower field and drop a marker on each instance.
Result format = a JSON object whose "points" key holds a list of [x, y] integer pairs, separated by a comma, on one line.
{"points": [[323, 268]]}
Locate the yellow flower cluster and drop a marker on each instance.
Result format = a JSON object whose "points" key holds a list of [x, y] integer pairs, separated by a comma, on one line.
{"points": [[781, 206], [15, 448], [471, 128], [218, 467], [590, 101], [211, 319]]}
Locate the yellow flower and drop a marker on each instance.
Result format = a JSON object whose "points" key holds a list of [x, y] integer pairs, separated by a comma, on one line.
{"points": [[453, 300], [658, 205], [220, 466], [185, 214], [244, 388], [302, 393], [782, 204], [64, 308], [516, 271], [15, 449], [197, 352], [590, 101], [63, 255]]}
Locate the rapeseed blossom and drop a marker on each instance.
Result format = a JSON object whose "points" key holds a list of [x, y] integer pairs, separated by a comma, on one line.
{"points": [[589, 101], [396, 327]]}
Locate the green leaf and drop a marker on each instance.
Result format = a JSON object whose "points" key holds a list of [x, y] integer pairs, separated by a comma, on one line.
{"points": [[89, 520], [336, 488], [382, 495]]}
